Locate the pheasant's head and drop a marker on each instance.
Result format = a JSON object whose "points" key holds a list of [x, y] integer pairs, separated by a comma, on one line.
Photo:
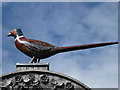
{"points": [[15, 33]]}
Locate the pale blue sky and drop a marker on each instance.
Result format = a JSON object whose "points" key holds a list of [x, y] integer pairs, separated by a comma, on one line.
{"points": [[65, 24]]}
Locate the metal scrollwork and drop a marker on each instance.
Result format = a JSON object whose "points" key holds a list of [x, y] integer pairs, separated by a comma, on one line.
{"points": [[44, 79], [18, 79], [54, 82], [33, 82], [31, 76], [69, 86]]}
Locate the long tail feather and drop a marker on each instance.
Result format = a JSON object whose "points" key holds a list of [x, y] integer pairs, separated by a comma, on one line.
{"points": [[80, 47]]}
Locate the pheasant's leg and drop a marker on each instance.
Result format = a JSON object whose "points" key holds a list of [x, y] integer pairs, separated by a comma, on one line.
{"points": [[35, 60], [38, 60], [31, 61]]}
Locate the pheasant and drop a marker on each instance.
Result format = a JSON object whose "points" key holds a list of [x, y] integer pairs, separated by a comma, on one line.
{"points": [[39, 50]]}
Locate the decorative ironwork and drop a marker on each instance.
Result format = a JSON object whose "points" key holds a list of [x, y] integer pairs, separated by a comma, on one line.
{"points": [[69, 86], [44, 79], [31, 82]]}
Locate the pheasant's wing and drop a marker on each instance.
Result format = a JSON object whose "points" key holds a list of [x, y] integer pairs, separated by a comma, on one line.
{"points": [[38, 46]]}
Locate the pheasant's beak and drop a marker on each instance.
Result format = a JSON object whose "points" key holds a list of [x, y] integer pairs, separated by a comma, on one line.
{"points": [[10, 34]]}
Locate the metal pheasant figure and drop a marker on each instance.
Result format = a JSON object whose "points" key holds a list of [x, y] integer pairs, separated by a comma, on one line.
{"points": [[39, 50]]}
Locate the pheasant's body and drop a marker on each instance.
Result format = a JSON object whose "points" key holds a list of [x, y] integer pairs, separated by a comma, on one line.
{"points": [[39, 50], [35, 48]]}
